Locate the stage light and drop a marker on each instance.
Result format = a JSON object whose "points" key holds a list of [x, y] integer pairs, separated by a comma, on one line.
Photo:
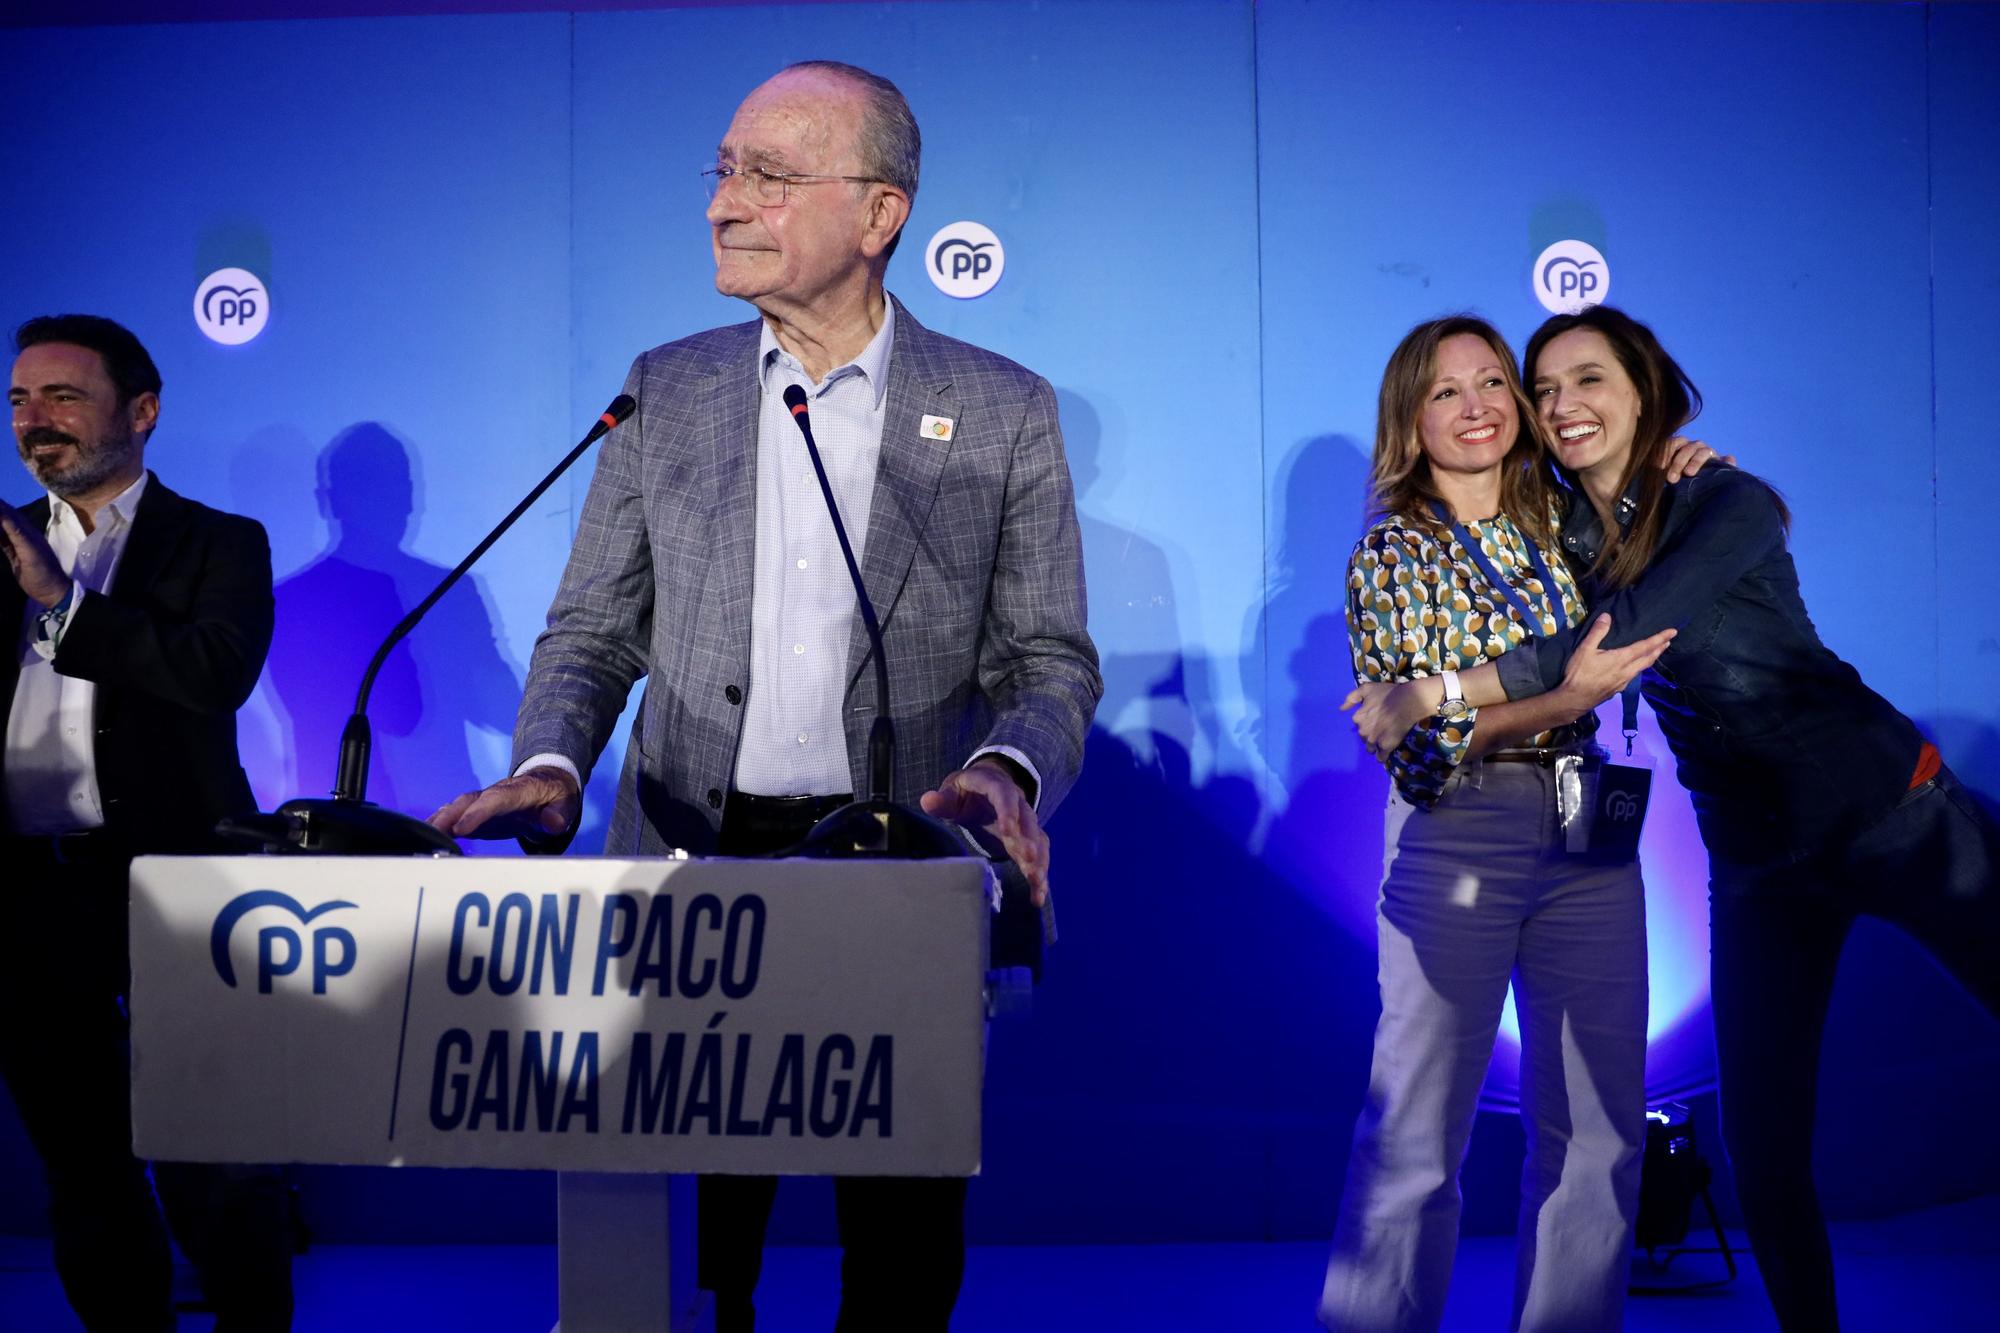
{"points": [[1672, 1177]]}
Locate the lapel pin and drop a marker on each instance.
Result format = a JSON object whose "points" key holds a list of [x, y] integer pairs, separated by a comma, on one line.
{"points": [[935, 428]]}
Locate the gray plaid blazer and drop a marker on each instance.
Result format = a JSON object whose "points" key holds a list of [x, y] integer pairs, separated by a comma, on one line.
{"points": [[972, 559]]}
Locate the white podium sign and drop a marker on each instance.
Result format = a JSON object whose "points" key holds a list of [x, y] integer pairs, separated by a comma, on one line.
{"points": [[763, 1017]]}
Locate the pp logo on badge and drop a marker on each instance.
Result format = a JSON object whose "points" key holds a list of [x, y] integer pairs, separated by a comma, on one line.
{"points": [[965, 260], [1570, 275], [231, 306], [279, 948]]}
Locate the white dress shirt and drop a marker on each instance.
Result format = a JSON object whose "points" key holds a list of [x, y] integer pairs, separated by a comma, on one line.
{"points": [[802, 602], [51, 766]]}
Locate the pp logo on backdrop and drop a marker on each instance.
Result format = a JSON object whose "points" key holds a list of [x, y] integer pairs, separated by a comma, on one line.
{"points": [[232, 306], [965, 260], [280, 950], [1570, 275]]}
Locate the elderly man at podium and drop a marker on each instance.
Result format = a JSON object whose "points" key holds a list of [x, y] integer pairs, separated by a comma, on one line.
{"points": [[706, 563]]}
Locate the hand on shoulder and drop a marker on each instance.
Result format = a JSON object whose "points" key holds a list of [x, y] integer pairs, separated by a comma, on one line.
{"points": [[1684, 458]]}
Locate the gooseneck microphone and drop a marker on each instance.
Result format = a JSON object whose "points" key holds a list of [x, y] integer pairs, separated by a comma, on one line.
{"points": [[349, 823], [882, 734], [356, 740], [876, 826]]}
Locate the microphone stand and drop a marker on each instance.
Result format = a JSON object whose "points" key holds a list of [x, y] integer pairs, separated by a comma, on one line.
{"points": [[348, 823], [875, 826]]}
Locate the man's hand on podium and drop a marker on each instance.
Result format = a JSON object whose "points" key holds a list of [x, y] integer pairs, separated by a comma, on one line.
{"points": [[985, 798], [538, 804]]}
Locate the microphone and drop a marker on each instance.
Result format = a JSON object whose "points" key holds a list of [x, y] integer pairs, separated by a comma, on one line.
{"points": [[876, 826], [348, 823]]}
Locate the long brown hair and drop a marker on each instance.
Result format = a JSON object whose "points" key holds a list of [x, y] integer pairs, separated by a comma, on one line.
{"points": [[1399, 479], [1668, 401]]}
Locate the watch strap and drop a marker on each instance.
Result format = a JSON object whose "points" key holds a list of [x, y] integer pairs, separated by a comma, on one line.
{"points": [[1451, 707], [50, 622]]}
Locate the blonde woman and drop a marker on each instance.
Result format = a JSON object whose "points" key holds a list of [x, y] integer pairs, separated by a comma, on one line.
{"points": [[1479, 890]]}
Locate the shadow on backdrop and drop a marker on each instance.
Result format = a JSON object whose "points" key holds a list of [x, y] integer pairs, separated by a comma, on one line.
{"points": [[445, 683], [1325, 838], [332, 614], [1185, 1074]]}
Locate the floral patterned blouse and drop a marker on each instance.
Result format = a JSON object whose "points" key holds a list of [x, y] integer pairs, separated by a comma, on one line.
{"points": [[1417, 605]]}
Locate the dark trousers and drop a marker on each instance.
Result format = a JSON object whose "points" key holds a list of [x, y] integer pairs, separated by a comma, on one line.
{"points": [[1930, 866], [64, 1054], [902, 1238]]}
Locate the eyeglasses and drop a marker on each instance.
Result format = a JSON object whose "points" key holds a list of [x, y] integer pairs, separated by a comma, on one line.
{"points": [[770, 188]]}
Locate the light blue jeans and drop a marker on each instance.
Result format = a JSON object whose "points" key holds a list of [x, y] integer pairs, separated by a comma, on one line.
{"points": [[1478, 892]]}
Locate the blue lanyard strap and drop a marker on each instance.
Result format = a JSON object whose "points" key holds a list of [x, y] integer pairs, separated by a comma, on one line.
{"points": [[1629, 704], [1512, 596]]}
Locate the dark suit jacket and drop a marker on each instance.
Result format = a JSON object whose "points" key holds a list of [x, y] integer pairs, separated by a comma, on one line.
{"points": [[175, 649]]}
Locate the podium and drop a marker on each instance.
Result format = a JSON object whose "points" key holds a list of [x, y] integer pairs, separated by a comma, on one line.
{"points": [[611, 1020]]}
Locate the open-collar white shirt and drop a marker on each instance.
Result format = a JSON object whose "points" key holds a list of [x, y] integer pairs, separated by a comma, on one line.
{"points": [[51, 767], [802, 600]]}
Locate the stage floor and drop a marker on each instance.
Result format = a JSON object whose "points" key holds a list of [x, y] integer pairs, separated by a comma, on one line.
{"points": [[1932, 1270]]}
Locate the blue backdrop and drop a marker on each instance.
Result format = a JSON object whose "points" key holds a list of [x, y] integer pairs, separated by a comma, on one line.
{"points": [[1218, 219]]}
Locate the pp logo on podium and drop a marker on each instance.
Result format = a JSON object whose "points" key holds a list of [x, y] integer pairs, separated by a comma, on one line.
{"points": [[231, 306], [280, 950], [965, 259], [1570, 275]]}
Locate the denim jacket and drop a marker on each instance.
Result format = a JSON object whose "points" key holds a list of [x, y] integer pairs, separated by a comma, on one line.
{"points": [[1782, 747]]}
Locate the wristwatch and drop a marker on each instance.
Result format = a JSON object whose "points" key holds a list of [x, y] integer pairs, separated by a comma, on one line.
{"points": [[49, 624], [1452, 707]]}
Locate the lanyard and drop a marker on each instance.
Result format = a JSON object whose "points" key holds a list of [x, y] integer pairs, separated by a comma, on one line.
{"points": [[1629, 704], [1508, 593]]}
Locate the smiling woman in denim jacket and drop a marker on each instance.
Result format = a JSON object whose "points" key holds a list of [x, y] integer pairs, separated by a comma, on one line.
{"points": [[1478, 889], [1817, 799]]}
